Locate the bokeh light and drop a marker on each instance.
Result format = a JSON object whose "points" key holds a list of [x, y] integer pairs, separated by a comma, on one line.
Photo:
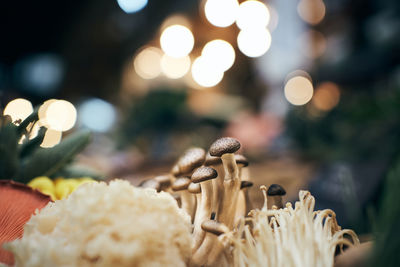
{"points": [[132, 6], [18, 109], [252, 14], [177, 41], [326, 96], [42, 112], [254, 42], [204, 74], [299, 90], [97, 115], [221, 13], [60, 115], [51, 138], [313, 44], [147, 63], [175, 68], [220, 54], [311, 11], [40, 74]]}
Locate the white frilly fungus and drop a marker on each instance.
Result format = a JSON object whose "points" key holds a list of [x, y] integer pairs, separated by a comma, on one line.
{"points": [[106, 225]]}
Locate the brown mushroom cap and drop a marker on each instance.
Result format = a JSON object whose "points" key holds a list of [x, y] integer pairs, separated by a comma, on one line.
{"points": [[203, 174], [210, 160], [175, 170], [151, 183], [224, 145], [192, 158], [180, 184], [245, 184], [164, 180], [276, 190], [214, 227], [194, 188], [242, 160]]}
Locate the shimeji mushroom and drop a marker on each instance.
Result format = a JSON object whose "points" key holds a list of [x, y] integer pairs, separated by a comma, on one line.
{"points": [[224, 148], [165, 181], [187, 200], [276, 192], [244, 204], [210, 250], [151, 183], [195, 189], [191, 159], [218, 183], [203, 176]]}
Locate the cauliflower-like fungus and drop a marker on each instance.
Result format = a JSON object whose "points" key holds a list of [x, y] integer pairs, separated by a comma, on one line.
{"points": [[106, 225]]}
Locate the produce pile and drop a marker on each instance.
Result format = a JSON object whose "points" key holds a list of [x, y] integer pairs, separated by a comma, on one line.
{"points": [[199, 214]]}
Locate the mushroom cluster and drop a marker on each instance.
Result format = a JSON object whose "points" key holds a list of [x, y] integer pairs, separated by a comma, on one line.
{"points": [[211, 188]]}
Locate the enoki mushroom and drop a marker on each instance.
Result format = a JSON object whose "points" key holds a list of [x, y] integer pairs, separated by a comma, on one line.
{"points": [[287, 237]]}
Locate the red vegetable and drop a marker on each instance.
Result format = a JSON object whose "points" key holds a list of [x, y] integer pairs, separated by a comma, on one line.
{"points": [[17, 204]]}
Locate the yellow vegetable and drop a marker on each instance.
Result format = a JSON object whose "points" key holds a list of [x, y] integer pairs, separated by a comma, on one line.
{"points": [[42, 183], [64, 187]]}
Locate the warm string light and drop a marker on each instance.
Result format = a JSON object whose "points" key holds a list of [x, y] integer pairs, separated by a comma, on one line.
{"points": [[205, 74], [221, 13], [254, 39], [177, 41], [326, 97], [18, 109], [311, 11], [175, 68], [147, 62], [298, 90]]}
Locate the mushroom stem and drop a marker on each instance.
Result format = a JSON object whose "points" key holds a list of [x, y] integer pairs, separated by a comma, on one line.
{"points": [[218, 188], [204, 213], [212, 229], [226, 211], [278, 201], [188, 203]]}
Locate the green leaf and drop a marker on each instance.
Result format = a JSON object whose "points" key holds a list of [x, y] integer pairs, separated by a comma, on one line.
{"points": [[8, 151], [31, 118], [47, 161], [29, 146]]}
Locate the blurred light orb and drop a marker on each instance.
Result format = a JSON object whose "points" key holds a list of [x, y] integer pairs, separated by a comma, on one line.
{"points": [[177, 41], [40, 74], [51, 138], [97, 115], [132, 6], [175, 68], [204, 74], [254, 42], [311, 11], [313, 44], [221, 13], [42, 112], [298, 90], [60, 115], [252, 14], [326, 96], [18, 109], [220, 53], [147, 63]]}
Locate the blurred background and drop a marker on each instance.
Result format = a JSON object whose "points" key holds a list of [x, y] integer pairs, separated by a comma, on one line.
{"points": [[311, 88]]}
